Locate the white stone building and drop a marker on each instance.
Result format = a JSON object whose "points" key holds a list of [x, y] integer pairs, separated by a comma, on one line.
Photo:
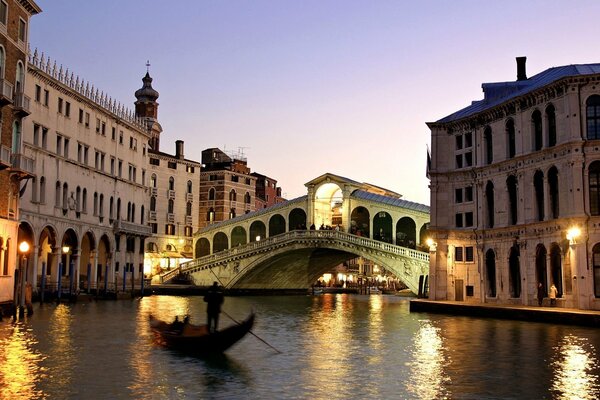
{"points": [[515, 192], [85, 209]]}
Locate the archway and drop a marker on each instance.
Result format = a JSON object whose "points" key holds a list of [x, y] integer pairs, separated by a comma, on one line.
{"points": [[104, 255], [360, 222], [202, 247], [68, 260], [47, 263], [276, 225], [238, 237], [382, 227], [220, 242], [25, 234], [540, 268], [88, 245], [490, 273], [423, 235], [297, 219], [406, 232], [257, 231], [556, 268], [328, 205]]}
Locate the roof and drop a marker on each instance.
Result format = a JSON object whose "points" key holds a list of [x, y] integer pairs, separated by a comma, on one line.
{"points": [[501, 92], [361, 194]]}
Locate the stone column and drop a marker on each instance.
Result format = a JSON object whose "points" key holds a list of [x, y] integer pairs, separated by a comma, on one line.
{"points": [[34, 272]]}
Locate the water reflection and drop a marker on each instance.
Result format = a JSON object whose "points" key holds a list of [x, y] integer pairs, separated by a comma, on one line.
{"points": [[427, 378], [573, 364], [19, 364]]}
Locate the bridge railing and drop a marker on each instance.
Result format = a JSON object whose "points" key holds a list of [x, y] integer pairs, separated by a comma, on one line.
{"points": [[241, 251]]}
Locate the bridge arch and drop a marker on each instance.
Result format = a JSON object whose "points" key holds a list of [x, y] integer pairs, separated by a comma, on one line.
{"points": [[297, 219], [382, 227], [360, 222], [406, 232], [238, 236], [327, 205], [220, 242], [276, 225], [423, 233], [258, 231], [202, 247]]}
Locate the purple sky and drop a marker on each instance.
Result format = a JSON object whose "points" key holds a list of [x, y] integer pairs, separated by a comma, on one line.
{"points": [[309, 87]]}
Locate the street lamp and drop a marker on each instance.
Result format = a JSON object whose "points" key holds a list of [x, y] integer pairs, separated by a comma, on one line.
{"points": [[572, 234], [23, 249], [432, 245]]}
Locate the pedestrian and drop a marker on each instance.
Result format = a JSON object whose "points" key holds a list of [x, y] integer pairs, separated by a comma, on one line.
{"points": [[540, 293], [552, 295], [214, 298]]}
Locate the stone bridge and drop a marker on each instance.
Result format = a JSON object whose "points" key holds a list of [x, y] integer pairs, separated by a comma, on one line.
{"points": [[291, 244]]}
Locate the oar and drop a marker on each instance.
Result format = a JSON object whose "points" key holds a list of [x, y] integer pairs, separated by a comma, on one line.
{"points": [[252, 333], [234, 320]]}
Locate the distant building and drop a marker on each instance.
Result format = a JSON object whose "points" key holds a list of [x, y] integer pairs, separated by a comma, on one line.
{"points": [[267, 191], [15, 168], [515, 192]]}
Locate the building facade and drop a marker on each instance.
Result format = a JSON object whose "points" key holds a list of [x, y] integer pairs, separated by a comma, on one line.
{"points": [[515, 192], [267, 191], [84, 211], [14, 108]]}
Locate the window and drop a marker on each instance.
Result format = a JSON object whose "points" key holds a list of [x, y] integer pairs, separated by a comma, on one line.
{"points": [[60, 105], [36, 134], [188, 209], [46, 97], [120, 137], [468, 219], [188, 231], [59, 145], [189, 187], [211, 194], [487, 138], [112, 165], [594, 183], [57, 196], [38, 92], [510, 137], [172, 165], [44, 138], [171, 183], [232, 195], [67, 109], [511, 185], [593, 117], [464, 150], [469, 254], [97, 159], [120, 169], [169, 229], [81, 116], [3, 13], [553, 191], [596, 262], [154, 161], [458, 196], [170, 206], [458, 254], [66, 148], [43, 190], [86, 150], [22, 30], [97, 125], [538, 185], [153, 181], [103, 132], [87, 120], [459, 220], [113, 134], [84, 202], [489, 194], [188, 168], [536, 122], [551, 118]]}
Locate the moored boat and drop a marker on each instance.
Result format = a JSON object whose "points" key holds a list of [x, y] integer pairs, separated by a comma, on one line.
{"points": [[196, 339]]}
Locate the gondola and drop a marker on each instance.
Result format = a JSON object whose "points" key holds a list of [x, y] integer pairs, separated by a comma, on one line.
{"points": [[196, 339]]}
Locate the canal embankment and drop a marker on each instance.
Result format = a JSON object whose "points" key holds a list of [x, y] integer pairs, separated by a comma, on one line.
{"points": [[554, 315]]}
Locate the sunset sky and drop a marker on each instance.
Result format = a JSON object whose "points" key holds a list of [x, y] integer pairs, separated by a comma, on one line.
{"points": [[309, 87]]}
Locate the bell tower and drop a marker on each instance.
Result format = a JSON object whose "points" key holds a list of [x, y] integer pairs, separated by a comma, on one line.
{"points": [[146, 107]]}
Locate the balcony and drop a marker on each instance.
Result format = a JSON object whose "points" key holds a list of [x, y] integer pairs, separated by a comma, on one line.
{"points": [[153, 191], [21, 105], [6, 92], [170, 218], [5, 157], [152, 216], [23, 166], [189, 197], [189, 220], [121, 226], [171, 194]]}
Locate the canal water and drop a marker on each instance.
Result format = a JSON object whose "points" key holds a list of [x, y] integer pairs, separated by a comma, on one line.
{"points": [[333, 347]]}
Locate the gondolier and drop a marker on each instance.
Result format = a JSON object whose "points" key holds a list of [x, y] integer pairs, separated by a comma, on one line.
{"points": [[214, 298]]}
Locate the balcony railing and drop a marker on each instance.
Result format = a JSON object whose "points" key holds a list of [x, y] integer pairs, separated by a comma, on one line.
{"points": [[153, 191], [6, 92], [151, 215], [189, 220], [21, 104], [121, 226], [189, 197], [171, 194], [22, 165], [5, 161], [170, 218]]}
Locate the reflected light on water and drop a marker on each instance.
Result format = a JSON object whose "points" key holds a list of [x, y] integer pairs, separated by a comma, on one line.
{"points": [[375, 309], [427, 378], [573, 364], [19, 365]]}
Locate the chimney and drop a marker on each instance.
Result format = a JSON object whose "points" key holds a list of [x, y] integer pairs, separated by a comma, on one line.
{"points": [[521, 73], [179, 149]]}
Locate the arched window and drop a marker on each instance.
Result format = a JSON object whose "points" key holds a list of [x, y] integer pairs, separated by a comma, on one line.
{"points": [[247, 198], [510, 138], [20, 79], [188, 208], [594, 183], [210, 215], [538, 184], [211, 194], [232, 195], [596, 262], [153, 181], [78, 199], [57, 196], [487, 138], [84, 201], [2, 62], [189, 186], [538, 135], [16, 137], [514, 272], [101, 206], [128, 211], [232, 213], [556, 269], [511, 186], [489, 196], [95, 203], [119, 209], [65, 196], [111, 206], [171, 183], [553, 189], [540, 268], [152, 203], [551, 119], [132, 212], [142, 216], [171, 206], [593, 117]]}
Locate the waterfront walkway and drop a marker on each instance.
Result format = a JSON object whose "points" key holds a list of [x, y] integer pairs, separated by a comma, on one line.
{"points": [[555, 315]]}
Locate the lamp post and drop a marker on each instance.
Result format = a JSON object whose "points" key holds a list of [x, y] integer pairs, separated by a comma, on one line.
{"points": [[23, 249]]}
